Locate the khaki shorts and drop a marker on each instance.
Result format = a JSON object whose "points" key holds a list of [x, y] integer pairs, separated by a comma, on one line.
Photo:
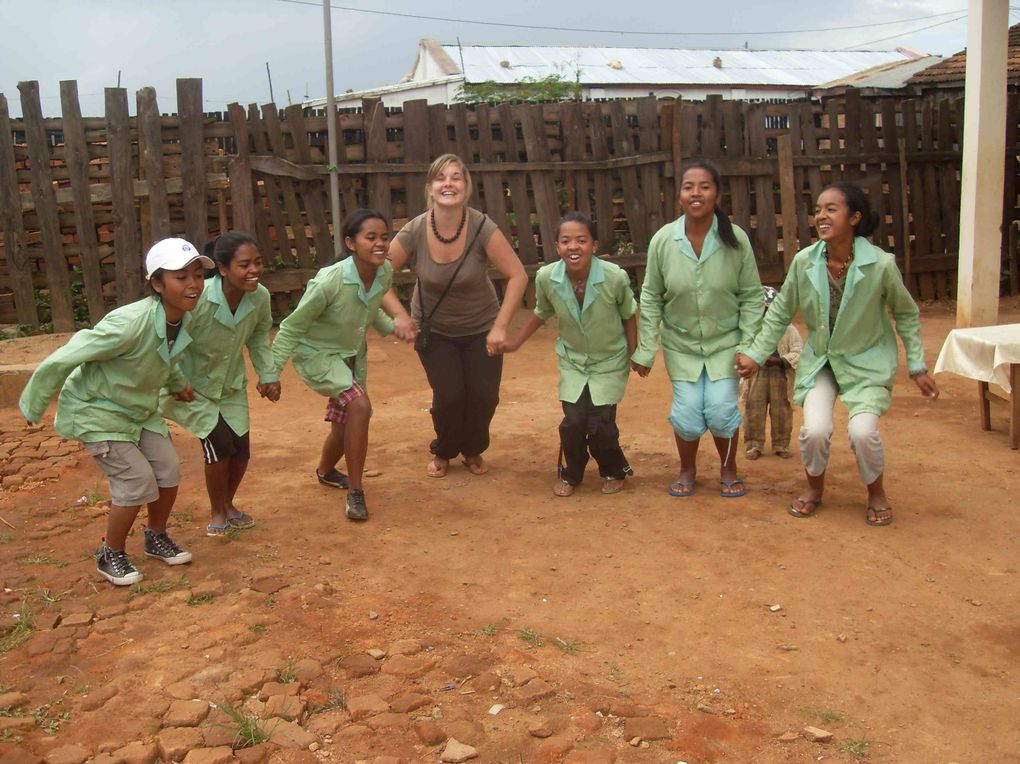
{"points": [[136, 473]]}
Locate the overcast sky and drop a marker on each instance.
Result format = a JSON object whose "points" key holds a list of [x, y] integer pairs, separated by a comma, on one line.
{"points": [[228, 42]]}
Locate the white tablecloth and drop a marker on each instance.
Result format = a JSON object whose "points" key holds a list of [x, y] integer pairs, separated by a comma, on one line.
{"points": [[983, 353]]}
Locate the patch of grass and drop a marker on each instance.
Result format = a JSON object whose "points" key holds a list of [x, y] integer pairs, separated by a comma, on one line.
{"points": [[42, 559], [185, 515], [489, 630], [199, 599], [825, 714], [858, 748], [614, 672], [287, 675], [45, 595], [267, 555], [271, 601], [10, 736], [153, 587], [569, 646], [248, 730], [6, 538], [531, 636], [81, 688], [93, 496], [48, 719], [258, 628], [337, 701], [20, 632]]}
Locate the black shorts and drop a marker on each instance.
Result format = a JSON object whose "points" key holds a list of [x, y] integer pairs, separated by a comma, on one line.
{"points": [[224, 443]]}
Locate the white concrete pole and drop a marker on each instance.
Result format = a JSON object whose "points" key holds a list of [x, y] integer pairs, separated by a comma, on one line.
{"points": [[331, 137], [984, 151]]}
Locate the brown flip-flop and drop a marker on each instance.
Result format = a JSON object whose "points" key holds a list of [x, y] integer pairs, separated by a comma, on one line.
{"points": [[803, 511], [878, 516]]}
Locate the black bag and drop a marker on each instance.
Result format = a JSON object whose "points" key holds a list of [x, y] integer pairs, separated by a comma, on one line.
{"points": [[424, 337]]}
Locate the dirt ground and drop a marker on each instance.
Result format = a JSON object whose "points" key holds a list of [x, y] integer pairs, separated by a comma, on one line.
{"points": [[628, 628]]}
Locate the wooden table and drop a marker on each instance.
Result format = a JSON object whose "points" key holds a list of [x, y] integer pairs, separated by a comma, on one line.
{"points": [[991, 355]]}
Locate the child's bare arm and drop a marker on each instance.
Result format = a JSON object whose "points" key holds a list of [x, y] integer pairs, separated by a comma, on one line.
{"points": [[630, 332], [534, 322]]}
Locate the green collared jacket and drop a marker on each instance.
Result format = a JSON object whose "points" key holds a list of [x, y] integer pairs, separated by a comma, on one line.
{"points": [[862, 348], [214, 361], [328, 327], [110, 376], [592, 346], [707, 309]]}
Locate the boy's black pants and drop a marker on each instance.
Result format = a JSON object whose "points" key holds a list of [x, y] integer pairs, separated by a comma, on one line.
{"points": [[587, 428]]}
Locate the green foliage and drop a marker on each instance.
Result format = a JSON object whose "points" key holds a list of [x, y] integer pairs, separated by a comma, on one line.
{"points": [[48, 719], [531, 636], [857, 748], [199, 599], [248, 730], [287, 674], [569, 646], [526, 90]]}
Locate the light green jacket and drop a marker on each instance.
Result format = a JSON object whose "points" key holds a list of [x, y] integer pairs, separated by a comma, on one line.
{"points": [[214, 361], [592, 346], [328, 326], [110, 376], [706, 308], [862, 349]]}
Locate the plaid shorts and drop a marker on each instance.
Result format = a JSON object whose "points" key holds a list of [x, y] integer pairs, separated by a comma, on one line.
{"points": [[336, 406]]}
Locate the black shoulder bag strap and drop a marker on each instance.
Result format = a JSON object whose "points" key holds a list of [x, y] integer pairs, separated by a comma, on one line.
{"points": [[421, 292]]}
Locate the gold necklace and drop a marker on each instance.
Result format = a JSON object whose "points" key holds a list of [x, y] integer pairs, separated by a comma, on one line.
{"points": [[843, 268]]}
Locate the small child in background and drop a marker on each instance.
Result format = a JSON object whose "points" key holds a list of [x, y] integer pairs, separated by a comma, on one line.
{"points": [[109, 379], [326, 336], [767, 393], [595, 309]]}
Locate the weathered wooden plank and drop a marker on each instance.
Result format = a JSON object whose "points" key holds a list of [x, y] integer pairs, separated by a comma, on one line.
{"points": [[462, 132], [922, 241], [765, 234], [128, 255], [15, 247], [676, 144], [788, 199], [648, 124], [546, 203], [242, 198], [416, 150], [271, 122], [439, 131], [274, 194], [949, 186], [690, 133], [189, 106], [801, 203], [77, 160], [518, 182], [711, 128], [150, 132], [604, 208], [259, 229], [932, 209], [633, 201], [46, 208], [375, 151], [895, 175], [312, 192], [735, 142], [492, 184], [872, 173]]}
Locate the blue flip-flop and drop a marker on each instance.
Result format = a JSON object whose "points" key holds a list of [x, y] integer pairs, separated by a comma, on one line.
{"points": [[681, 488], [241, 521], [218, 530], [730, 484]]}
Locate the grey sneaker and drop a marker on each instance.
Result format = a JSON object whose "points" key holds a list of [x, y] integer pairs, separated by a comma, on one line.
{"points": [[115, 567], [356, 507], [334, 478], [162, 547]]}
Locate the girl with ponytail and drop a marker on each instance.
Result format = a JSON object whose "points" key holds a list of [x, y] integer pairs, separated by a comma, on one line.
{"points": [[702, 295]]}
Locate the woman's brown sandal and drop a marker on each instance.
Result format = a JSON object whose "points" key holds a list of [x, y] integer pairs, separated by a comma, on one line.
{"points": [[879, 516], [806, 509]]}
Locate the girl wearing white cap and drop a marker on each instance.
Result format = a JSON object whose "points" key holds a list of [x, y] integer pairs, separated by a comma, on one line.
{"points": [[109, 378]]}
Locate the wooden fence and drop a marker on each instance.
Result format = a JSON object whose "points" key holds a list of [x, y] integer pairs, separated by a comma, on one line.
{"points": [[81, 199]]}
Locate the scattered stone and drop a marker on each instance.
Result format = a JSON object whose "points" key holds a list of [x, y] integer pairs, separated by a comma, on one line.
{"points": [[137, 753], [98, 697], [429, 732], [705, 709], [408, 666], [466, 730], [366, 705], [219, 755], [289, 735], [359, 665], [787, 648], [841, 637], [775, 608], [495, 709], [269, 689], [533, 691], [372, 615], [376, 653], [541, 729], [410, 702], [646, 728], [210, 588], [77, 620], [289, 707], [186, 713], [589, 722], [816, 735], [516, 676], [111, 611], [406, 647], [182, 690], [788, 737], [257, 754], [327, 723], [457, 752], [307, 669], [635, 742], [268, 583], [68, 754], [387, 721], [554, 749], [175, 742]]}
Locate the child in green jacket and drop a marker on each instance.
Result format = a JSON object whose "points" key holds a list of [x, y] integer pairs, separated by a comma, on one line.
{"points": [[595, 309], [109, 379]]}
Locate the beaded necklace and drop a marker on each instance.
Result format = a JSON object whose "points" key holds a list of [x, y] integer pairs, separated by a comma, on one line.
{"points": [[439, 236]]}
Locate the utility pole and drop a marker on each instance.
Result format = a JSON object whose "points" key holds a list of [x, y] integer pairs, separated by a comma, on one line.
{"points": [[331, 137]]}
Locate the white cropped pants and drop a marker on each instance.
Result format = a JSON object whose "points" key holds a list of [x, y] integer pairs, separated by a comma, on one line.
{"points": [[816, 434]]}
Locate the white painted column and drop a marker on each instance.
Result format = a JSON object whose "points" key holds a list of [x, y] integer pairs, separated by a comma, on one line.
{"points": [[984, 151]]}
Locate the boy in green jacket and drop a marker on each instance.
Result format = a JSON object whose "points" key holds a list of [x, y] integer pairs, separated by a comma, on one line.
{"points": [[109, 379], [595, 308]]}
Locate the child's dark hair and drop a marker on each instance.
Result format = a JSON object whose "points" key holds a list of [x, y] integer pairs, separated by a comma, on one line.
{"points": [[857, 201], [725, 226], [577, 217], [222, 249], [352, 224]]}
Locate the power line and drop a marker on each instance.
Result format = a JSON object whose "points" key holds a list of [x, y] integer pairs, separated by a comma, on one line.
{"points": [[421, 17], [904, 34]]}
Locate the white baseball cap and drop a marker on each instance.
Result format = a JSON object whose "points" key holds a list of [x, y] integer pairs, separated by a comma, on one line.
{"points": [[173, 255]]}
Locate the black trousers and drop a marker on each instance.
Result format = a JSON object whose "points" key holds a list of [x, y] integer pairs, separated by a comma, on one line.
{"points": [[465, 391], [587, 428]]}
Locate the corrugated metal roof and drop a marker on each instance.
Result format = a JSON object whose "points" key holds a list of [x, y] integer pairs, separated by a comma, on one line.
{"points": [[662, 66], [891, 76]]}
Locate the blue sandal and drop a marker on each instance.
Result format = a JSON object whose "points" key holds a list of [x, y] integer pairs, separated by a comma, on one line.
{"points": [[241, 521], [730, 484], [218, 530], [681, 488]]}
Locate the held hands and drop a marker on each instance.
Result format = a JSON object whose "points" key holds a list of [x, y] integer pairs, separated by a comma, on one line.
{"points": [[927, 385], [496, 342], [270, 390], [404, 328], [185, 395], [642, 371], [745, 366]]}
